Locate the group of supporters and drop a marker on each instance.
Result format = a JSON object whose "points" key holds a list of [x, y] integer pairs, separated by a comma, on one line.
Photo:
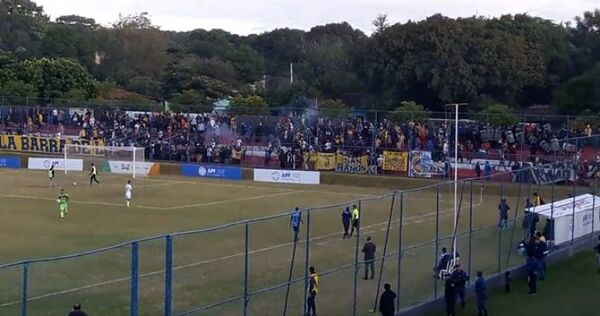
{"points": [[226, 138]]}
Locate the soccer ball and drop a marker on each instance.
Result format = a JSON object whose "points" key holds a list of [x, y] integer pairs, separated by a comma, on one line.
{"points": [[74, 184]]}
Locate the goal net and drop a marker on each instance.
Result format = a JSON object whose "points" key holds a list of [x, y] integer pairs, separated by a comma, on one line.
{"points": [[109, 159]]}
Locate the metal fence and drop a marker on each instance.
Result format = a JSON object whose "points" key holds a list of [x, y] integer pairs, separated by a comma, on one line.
{"points": [[256, 267]]}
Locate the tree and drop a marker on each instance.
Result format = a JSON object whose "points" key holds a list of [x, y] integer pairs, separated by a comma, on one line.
{"points": [[499, 115], [580, 93], [53, 77], [410, 111], [252, 105], [132, 48], [77, 20], [334, 109], [22, 25], [17, 88], [380, 23]]}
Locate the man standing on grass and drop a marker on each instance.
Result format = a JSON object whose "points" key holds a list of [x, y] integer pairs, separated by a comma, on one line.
{"points": [[313, 289], [346, 217], [63, 204], [450, 298], [369, 249], [532, 269], [503, 210], [355, 219], [597, 248], [386, 302], [93, 173], [128, 189], [459, 278], [481, 294], [51, 175], [77, 311], [295, 221]]}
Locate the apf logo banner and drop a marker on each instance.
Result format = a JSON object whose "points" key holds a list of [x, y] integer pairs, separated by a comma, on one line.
{"points": [[287, 176], [212, 171]]}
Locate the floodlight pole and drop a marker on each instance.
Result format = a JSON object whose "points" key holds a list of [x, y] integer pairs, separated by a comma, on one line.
{"points": [[455, 105]]}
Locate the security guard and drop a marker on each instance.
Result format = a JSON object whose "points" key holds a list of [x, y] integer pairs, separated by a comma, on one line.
{"points": [[355, 218]]}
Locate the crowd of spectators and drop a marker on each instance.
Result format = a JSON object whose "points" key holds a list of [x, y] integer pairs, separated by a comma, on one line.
{"points": [[224, 138]]}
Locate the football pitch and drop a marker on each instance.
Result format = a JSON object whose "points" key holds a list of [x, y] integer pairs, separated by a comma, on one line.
{"points": [[208, 267]]}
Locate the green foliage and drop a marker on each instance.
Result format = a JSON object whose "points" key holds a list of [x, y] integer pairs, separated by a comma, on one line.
{"points": [[53, 77], [252, 105], [580, 93], [499, 115], [22, 25], [516, 60], [334, 109], [410, 111], [18, 88]]}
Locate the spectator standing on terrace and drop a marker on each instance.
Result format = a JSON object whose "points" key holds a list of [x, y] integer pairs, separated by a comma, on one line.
{"points": [[369, 249], [386, 302], [346, 217], [77, 311]]}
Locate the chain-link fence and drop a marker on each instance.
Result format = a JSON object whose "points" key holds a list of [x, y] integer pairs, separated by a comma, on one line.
{"points": [[258, 267]]}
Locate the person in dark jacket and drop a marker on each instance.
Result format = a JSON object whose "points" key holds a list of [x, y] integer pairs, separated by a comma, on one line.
{"points": [[369, 249], [503, 210], [459, 279], [478, 169], [539, 253], [386, 302], [346, 216], [481, 294], [597, 248], [532, 269], [450, 298], [77, 311], [443, 261]]}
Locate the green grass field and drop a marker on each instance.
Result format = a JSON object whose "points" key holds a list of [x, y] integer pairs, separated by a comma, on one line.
{"points": [[208, 267], [569, 289]]}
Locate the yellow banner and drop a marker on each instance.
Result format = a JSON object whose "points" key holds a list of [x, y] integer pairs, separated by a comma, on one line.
{"points": [[347, 164], [325, 161], [319, 161], [41, 144], [395, 160]]}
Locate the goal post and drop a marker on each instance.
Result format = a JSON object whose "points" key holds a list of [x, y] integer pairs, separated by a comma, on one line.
{"points": [[112, 159]]}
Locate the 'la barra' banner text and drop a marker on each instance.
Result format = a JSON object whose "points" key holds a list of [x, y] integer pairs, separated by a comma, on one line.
{"points": [[41, 144]]}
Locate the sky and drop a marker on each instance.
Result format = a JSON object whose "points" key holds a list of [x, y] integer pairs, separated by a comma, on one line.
{"points": [[256, 16]]}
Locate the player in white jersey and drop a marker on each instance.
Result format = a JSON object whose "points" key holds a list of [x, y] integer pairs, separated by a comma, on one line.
{"points": [[128, 189]]}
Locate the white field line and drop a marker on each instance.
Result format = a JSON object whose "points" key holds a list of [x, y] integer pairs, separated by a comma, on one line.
{"points": [[28, 197], [411, 219], [256, 197], [222, 184], [158, 185]]}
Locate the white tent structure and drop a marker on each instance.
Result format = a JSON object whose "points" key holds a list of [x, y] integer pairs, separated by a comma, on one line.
{"points": [[586, 211]]}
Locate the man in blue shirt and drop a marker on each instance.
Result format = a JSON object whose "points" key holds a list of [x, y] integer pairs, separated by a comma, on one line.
{"points": [[346, 216], [488, 170], [295, 221], [481, 294]]}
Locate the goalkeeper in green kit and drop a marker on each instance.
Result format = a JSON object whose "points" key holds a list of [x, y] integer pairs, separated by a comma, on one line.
{"points": [[63, 204]]}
